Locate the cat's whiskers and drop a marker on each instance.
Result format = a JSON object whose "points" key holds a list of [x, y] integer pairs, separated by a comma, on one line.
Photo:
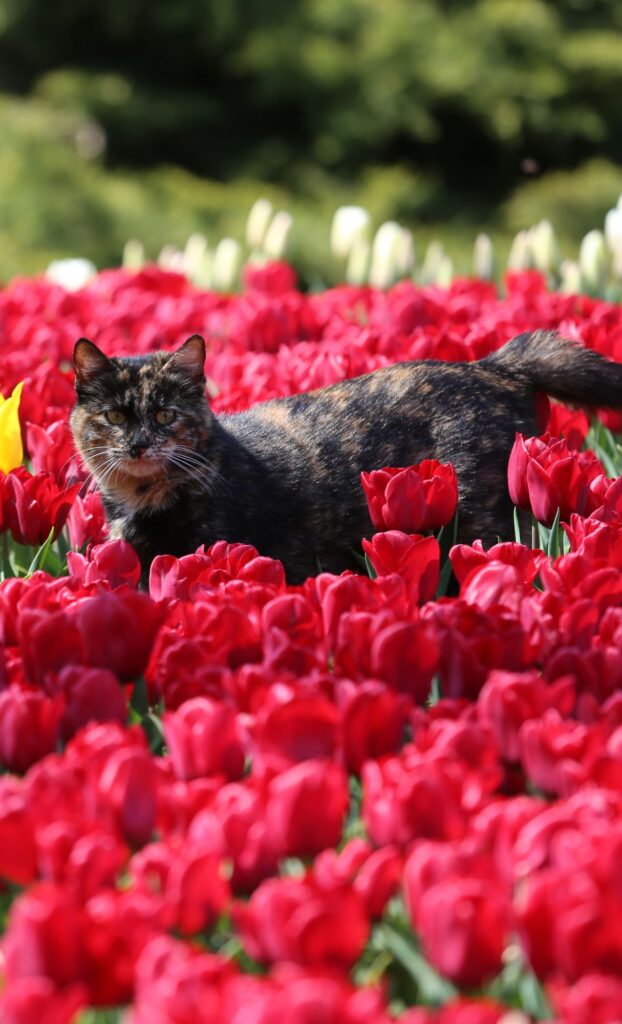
{"points": [[193, 469], [202, 464], [75, 456], [194, 466], [105, 472]]}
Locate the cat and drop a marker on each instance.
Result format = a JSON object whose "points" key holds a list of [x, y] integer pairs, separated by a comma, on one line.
{"points": [[284, 475]]}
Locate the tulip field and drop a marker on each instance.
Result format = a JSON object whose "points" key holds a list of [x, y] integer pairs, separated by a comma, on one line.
{"points": [[391, 795]]}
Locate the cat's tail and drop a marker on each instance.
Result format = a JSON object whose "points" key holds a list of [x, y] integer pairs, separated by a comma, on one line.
{"points": [[562, 369]]}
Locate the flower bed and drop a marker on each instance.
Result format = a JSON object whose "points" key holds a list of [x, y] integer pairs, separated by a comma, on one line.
{"points": [[234, 800]]}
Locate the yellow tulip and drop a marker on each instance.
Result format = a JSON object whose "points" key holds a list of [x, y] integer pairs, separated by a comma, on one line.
{"points": [[11, 450]]}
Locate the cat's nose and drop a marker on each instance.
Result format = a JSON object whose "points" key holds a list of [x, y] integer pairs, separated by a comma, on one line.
{"points": [[138, 446]]}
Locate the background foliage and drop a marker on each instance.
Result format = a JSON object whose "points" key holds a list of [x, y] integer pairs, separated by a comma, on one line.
{"points": [[154, 119]]}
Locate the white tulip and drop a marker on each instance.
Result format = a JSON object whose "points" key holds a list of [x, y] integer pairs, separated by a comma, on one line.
{"points": [[613, 228], [404, 253], [170, 257], [133, 255], [194, 252], [350, 225], [226, 264], [434, 256], [570, 277], [275, 241], [357, 267], [483, 258], [544, 247], [520, 256], [257, 223], [593, 261], [444, 272], [613, 234], [384, 253], [71, 274]]}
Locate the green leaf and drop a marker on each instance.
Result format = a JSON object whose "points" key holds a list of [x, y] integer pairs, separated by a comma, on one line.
{"points": [[517, 532], [532, 997], [292, 867], [554, 544], [435, 692], [154, 731], [7, 568], [434, 990], [371, 572], [140, 700], [606, 447], [446, 537], [99, 1017], [41, 555], [444, 578]]}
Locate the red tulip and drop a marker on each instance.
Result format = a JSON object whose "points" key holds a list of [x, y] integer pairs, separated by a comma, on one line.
{"points": [[509, 699], [464, 925], [18, 852], [33, 1000], [415, 558], [29, 727], [466, 558], [86, 521], [204, 738], [274, 278], [294, 920], [413, 500], [33, 506], [115, 563], [374, 721], [306, 808], [52, 450], [545, 475]]}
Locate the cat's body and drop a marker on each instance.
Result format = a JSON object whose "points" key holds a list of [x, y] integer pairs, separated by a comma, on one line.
{"points": [[285, 475]]}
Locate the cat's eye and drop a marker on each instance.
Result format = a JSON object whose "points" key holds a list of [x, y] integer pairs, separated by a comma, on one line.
{"points": [[164, 417], [115, 416]]}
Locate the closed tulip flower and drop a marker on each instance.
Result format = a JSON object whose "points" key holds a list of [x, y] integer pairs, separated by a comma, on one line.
{"points": [[416, 499]]}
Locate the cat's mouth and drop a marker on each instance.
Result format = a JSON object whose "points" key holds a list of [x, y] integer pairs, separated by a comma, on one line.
{"points": [[143, 467]]}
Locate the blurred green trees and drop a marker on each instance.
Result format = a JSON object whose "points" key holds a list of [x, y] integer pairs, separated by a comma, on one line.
{"points": [[437, 109]]}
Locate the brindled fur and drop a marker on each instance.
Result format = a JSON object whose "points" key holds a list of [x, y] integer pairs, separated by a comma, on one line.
{"points": [[284, 475]]}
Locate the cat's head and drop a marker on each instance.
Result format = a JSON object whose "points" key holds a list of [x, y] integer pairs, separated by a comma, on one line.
{"points": [[140, 420]]}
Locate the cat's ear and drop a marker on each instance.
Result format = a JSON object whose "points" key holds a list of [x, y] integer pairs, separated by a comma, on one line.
{"points": [[89, 362], [190, 359]]}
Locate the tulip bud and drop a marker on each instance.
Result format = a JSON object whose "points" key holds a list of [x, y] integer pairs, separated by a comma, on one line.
{"points": [[357, 267], [71, 274], [133, 255], [204, 271], [11, 449], [350, 226], [613, 227], [384, 251], [544, 247], [613, 234], [570, 277], [520, 256], [226, 266], [444, 272], [258, 222], [593, 261], [483, 258], [275, 241], [433, 258], [169, 257], [404, 253], [194, 253]]}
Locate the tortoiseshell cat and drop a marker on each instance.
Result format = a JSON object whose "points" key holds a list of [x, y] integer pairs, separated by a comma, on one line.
{"points": [[284, 475]]}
